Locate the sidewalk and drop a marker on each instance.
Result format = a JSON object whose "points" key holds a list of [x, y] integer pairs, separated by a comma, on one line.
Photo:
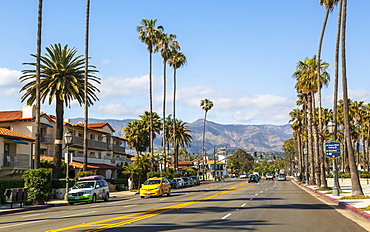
{"points": [[5, 209], [346, 190]]}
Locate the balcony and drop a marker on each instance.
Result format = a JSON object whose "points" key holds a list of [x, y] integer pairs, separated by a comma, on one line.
{"points": [[119, 149], [92, 144], [48, 139], [16, 160]]}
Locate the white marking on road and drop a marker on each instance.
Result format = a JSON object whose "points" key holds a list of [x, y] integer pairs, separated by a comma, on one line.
{"points": [[244, 204], [32, 215], [21, 224], [115, 202], [163, 199], [226, 216], [256, 194], [261, 192], [74, 215], [93, 206], [129, 205]]}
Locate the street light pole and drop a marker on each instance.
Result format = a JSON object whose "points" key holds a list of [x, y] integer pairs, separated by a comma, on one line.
{"points": [[68, 140], [331, 128], [305, 164]]}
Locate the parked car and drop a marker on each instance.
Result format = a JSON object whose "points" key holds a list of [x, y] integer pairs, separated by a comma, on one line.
{"points": [[174, 183], [281, 176], [195, 180], [243, 176], [89, 189], [270, 176], [188, 181], [253, 178], [181, 182], [156, 186]]}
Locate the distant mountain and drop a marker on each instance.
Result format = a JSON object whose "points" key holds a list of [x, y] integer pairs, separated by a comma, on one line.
{"points": [[264, 138]]}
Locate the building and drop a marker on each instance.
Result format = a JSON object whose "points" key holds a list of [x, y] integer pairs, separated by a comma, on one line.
{"points": [[106, 152]]}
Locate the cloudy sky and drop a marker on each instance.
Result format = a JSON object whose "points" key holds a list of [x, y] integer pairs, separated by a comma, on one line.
{"points": [[241, 54]]}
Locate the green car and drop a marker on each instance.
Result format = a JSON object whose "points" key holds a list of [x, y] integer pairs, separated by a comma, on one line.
{"points": [[89, 189]]}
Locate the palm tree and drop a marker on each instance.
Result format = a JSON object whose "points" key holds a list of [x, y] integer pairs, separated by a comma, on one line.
{"points": [[86, 81], [38, 105], [329, 6], [150, 35], [137, 135], [177, 60], [165, 45], [355, 180], [61, 80], [206, 105]]}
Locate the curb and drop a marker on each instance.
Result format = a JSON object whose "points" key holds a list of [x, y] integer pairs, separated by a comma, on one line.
{"points": [[16, 210], [339, 203]]}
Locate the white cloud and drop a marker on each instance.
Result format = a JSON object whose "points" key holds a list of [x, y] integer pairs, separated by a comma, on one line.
{"points": [[119, 110], [113, 86], [9, 77], [104, 62]]}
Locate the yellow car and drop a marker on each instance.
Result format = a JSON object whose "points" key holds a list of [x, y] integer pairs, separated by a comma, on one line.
{"points": [[156, 186]]}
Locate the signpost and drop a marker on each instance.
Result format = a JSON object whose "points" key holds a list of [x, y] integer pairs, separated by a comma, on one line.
{"points": [[333, 149]]}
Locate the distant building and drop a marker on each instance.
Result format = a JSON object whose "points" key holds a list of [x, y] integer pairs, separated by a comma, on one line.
{"points": [[106, 153]]}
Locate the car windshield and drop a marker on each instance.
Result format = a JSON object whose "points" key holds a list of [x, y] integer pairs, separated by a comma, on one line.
{"points": [[84, 184], [151, 182]]}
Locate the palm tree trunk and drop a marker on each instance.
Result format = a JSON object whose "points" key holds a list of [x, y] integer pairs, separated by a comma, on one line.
{"points": [[164, 109], [58, 139], [356, 186], [151, 113], [176, 154], [311, 163], [86, 111], [204, 136], [38, 104]]}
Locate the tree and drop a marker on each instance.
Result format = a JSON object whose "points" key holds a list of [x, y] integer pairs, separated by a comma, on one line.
{"points": [[38, 105], [137, 135], [165, 45], [61, 80], [206, 105], [355, 180], [177, 60], [86, 82], [150, 35]]}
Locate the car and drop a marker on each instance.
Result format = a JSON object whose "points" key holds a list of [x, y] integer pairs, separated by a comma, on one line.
{"points": [[196, 180], [156, 186], [174, 183], [188, 181], [253, 178], [89, 189], [281, 176], [181, 182], [243, 176], [270, 176]]}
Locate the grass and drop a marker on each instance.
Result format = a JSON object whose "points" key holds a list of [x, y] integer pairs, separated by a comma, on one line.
{"points": [[323, 188], [367, 208], [331, 192], [354, 197]]}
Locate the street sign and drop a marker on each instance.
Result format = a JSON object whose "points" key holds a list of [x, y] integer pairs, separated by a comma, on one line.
{"points": [[332, 149]]}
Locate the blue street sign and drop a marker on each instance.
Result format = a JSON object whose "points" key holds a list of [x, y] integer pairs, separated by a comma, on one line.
{"points": [[332, 149]]}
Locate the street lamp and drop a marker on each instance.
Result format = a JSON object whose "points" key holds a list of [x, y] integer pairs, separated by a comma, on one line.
{"points": [[214, 160], [68, 140], [331, 128]]}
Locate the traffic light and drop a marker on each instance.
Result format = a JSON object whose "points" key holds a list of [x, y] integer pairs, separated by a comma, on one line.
{"points": [[255, 154], [274, 157]]}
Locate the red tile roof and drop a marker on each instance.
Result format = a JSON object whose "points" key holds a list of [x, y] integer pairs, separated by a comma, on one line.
{"points": [[10, 115], [15, 135], [76, 164]]}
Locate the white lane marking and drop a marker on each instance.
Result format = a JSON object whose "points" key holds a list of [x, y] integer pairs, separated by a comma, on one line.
{"points": [[261, 192], [256, 194], [93, 206], [115, 202], [163, 199], [32, 215], [244, 204], [129, 206], [226, 216], [21, 224], [74, 215]]}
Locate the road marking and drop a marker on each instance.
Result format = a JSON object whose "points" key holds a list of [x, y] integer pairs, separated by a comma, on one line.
{"points": [[130, 218], [226, 216], [244, 204], [129, 205], [256, 194], [74, 215], [162, 199], [261, 192], [21, 224], [32, 215]]}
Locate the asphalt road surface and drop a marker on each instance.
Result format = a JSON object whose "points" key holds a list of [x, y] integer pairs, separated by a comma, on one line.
{"points": [[233, 205]]}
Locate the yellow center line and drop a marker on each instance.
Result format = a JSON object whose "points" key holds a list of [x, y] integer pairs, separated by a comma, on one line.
{"points": [[128, 219]]}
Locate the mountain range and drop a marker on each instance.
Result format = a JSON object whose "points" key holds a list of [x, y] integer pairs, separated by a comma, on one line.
{"points": [[260, 138]]}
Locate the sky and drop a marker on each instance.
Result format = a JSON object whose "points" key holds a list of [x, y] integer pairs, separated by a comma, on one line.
{"points": [[241, 54]]}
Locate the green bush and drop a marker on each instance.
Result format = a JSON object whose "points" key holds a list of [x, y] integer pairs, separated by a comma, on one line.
{"points": [[7, 184], [38, 182], [152, 174], [364, 174], [344, 175], [61, 183], [118, 181], [83, 174]]}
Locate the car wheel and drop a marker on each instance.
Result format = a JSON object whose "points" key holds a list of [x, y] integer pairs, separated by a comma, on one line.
{"points": [[70, 203], [106, 198], [142, 196], [93, 200], [169, 192]]}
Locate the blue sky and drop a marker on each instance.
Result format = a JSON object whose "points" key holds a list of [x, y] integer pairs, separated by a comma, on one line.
{"points": [[241, 54]]}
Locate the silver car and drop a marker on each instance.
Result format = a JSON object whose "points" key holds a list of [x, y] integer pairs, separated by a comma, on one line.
{"points": [[181, 182]]}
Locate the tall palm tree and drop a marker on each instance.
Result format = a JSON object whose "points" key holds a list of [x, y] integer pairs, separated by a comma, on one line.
{"points": [[137, 135], [150, 35], [165, 45], [329, 6], [355, 180], [38, 105], [206, 105], [62, 80], [177, 60], [86, 82]]}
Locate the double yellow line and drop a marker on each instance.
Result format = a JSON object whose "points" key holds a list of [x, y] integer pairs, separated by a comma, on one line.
{"points": [[128, 219]]}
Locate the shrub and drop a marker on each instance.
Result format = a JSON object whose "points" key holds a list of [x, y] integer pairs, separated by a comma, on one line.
{"points": [[83, 174], [7, 184], [152, 174], [364, 174], [38, 182]]}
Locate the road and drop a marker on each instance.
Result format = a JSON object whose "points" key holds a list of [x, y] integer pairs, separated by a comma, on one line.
{"points": [[233, 205]]}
